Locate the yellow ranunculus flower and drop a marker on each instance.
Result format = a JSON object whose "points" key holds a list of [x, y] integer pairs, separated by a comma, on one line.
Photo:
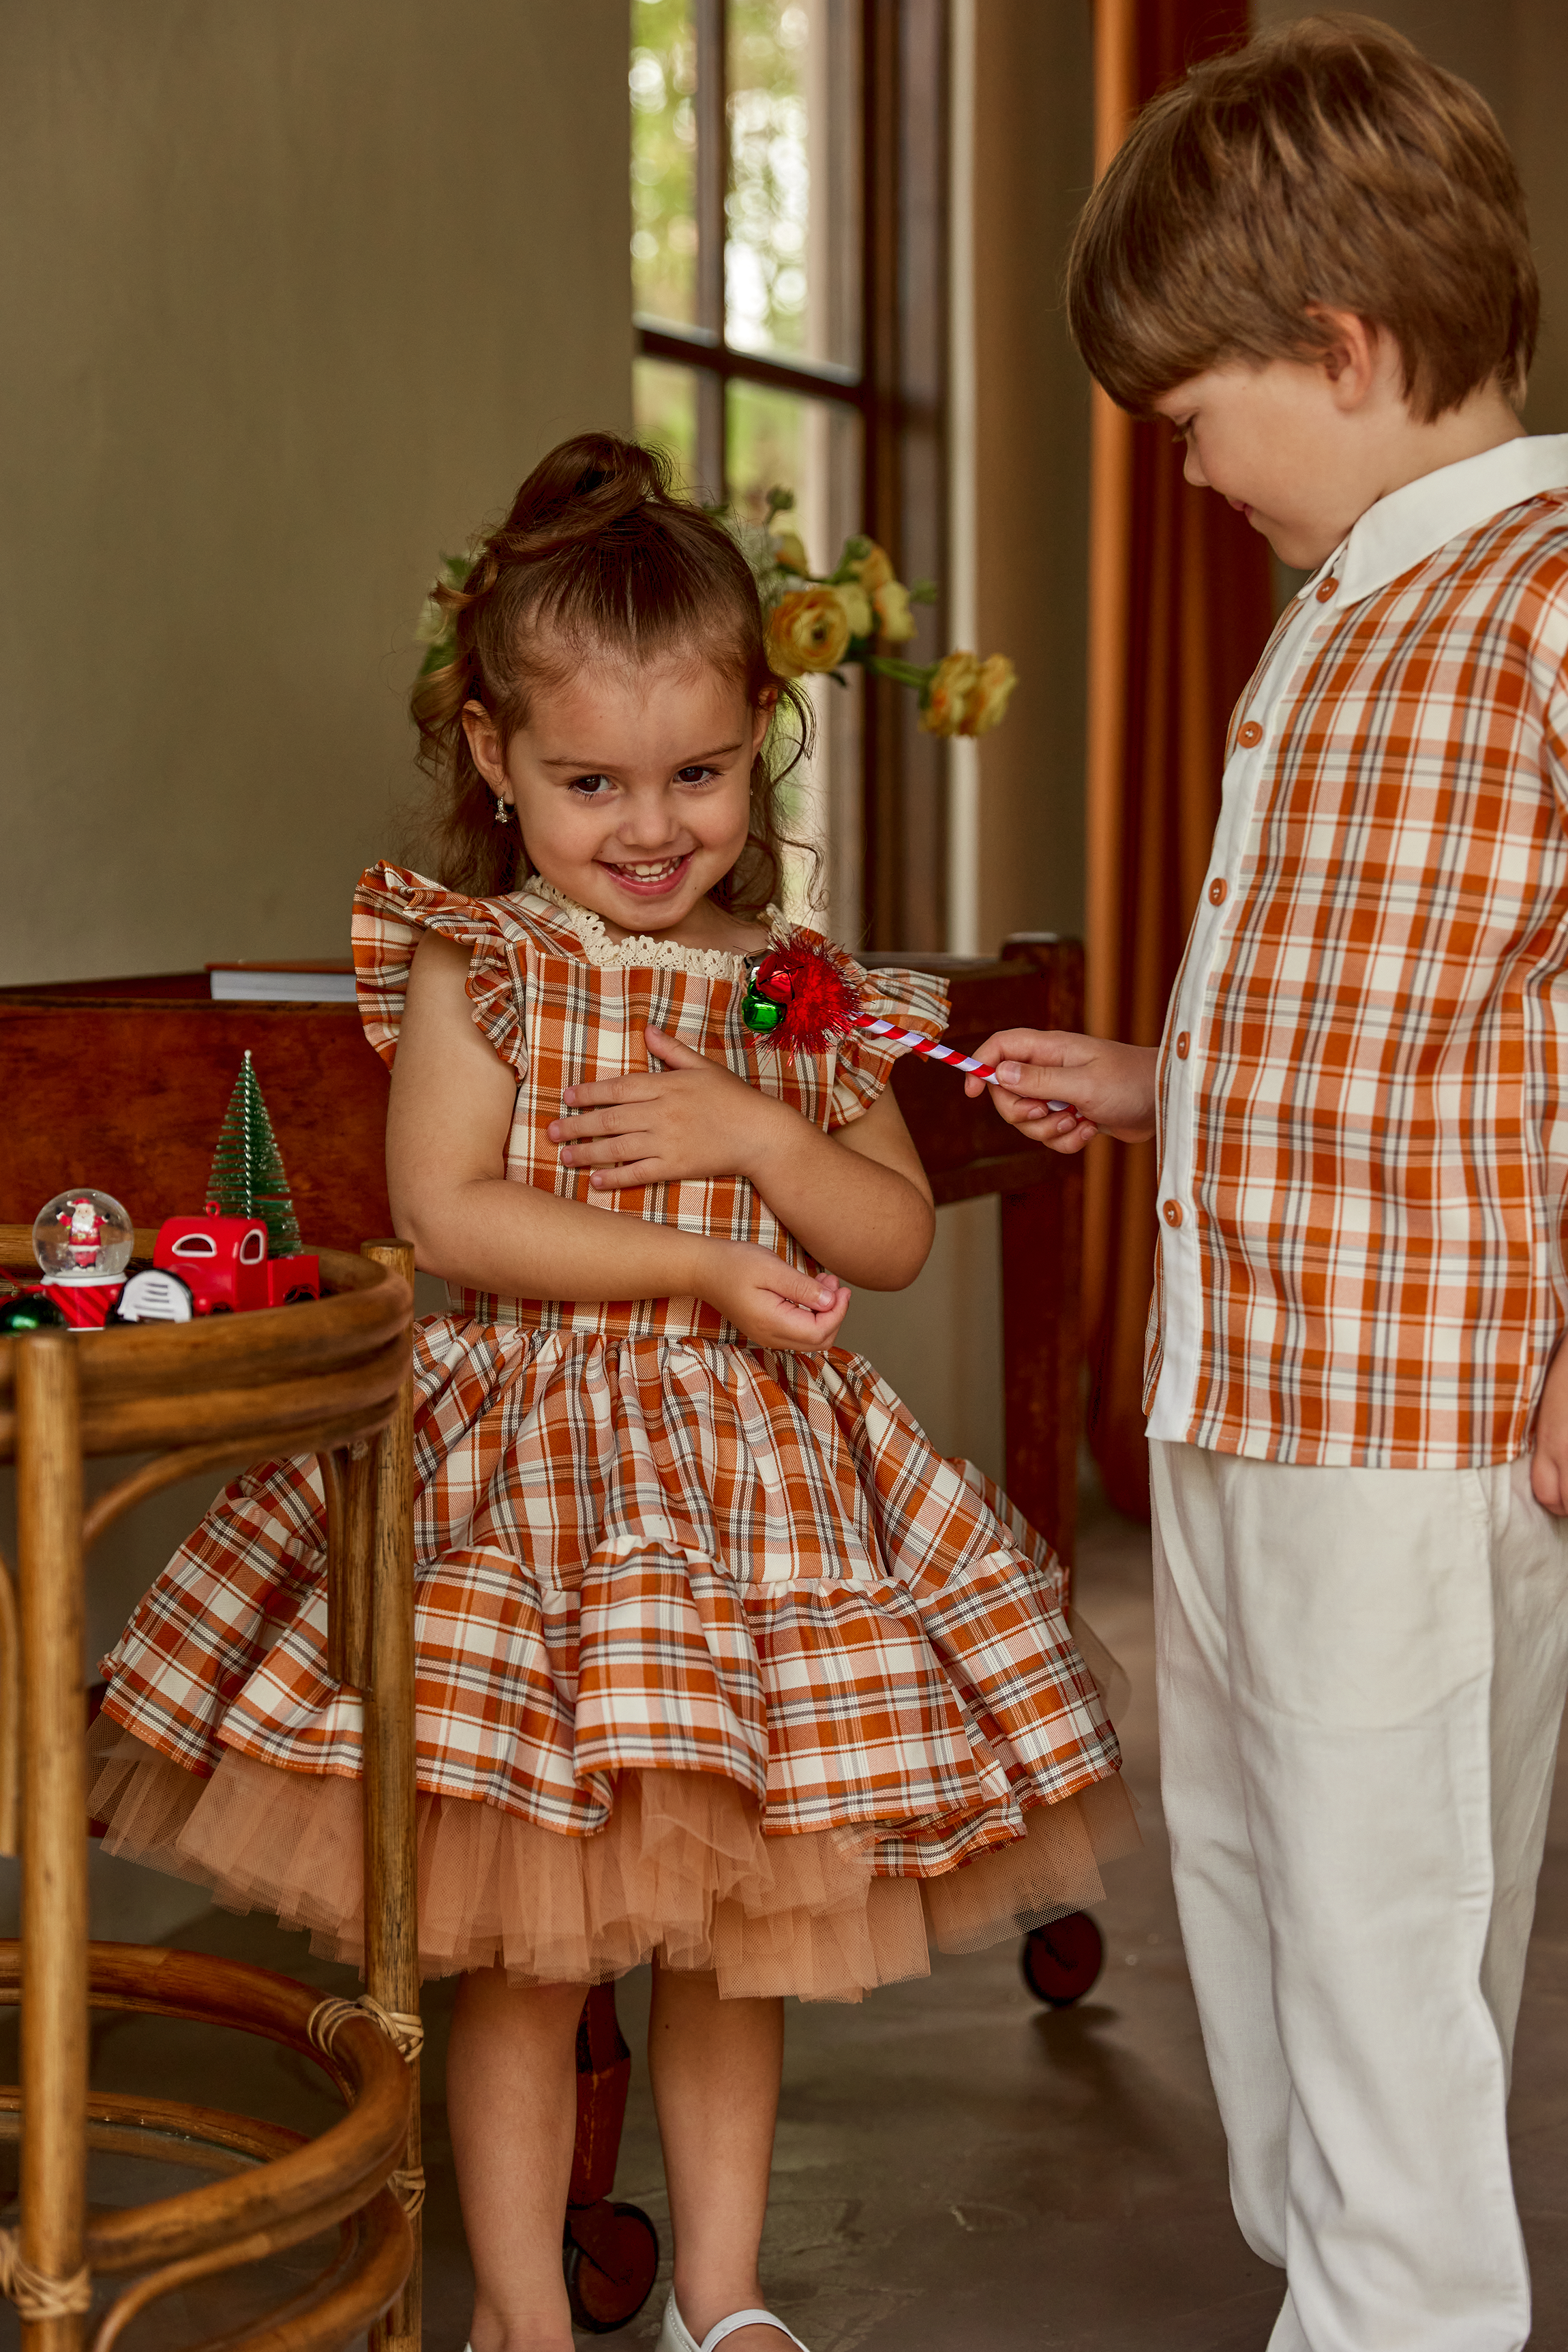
{"points": [[946, 700], [873, 569], [789, 552], [894, 618], [808, 629], [857, 604], [989, 696]]}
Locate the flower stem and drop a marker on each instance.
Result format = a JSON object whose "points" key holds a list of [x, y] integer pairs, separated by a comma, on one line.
{"points": [[905, 673]]}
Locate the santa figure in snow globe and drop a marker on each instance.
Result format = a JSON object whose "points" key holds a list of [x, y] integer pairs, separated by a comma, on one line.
{"points": [[83, 1240]]}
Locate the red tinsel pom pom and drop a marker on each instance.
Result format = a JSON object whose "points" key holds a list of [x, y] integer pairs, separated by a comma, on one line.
{"points": [[812, 981]]}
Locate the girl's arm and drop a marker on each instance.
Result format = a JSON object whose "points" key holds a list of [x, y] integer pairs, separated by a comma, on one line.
{"points": [[446, 1129], [857, 1200]]}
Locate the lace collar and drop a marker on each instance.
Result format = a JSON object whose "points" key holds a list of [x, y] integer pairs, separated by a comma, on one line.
{"points": [[642, 952]]}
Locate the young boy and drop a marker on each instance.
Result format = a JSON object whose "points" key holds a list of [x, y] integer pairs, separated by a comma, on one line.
{"points": [[1311, 258]]}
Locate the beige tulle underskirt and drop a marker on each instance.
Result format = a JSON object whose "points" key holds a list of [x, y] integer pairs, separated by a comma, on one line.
{"points": [[681, 1870]]}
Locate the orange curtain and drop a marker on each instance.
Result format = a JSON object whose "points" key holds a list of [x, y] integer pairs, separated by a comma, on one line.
{"points": [[1180, 607]]}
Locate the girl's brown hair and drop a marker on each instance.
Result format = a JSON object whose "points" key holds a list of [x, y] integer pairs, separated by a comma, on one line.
{"points": [[1328, 166], [597, 555]]}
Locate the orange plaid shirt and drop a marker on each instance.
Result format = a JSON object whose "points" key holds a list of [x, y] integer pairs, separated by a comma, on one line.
{"points": [[1364, 1135]]}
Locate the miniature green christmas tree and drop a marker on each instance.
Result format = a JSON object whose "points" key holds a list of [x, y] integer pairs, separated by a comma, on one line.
{"points": [[247, 1179]]}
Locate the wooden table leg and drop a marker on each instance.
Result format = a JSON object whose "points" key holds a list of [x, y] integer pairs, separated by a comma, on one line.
{"points": [[1041, 1351], [390, 1888], [53, 1847]]}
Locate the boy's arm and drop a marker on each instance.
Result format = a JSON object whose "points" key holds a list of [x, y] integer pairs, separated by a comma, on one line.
{"points": [[1111, 1087], [1549, 1465]]}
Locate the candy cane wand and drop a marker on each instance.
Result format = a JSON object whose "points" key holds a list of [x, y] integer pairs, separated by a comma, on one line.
{"points": [[800, 996]]}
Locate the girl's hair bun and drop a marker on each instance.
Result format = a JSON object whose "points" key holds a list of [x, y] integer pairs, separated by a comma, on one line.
{"points": [[598, 554], [586, 484]]}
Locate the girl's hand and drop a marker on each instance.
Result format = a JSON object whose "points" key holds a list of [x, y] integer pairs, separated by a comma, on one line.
{"points": [[693, 1118], [769, 1301], [1549, 1466], [1111, 1087]]}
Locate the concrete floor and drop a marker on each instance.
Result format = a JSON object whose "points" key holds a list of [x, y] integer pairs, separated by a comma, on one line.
{"points": [[957, 2167]]}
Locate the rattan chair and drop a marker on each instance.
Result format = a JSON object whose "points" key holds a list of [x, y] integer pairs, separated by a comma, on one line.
{"points": [[330, 1377]]}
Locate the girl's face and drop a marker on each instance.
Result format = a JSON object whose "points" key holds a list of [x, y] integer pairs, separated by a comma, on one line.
{"points": [[631, 784]]}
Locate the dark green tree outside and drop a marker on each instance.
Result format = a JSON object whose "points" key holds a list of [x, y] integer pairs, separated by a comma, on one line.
{"points": [[247, 1179]]}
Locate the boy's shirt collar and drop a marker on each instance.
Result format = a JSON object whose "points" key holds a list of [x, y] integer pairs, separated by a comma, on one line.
{"points": [[1412, 522]]}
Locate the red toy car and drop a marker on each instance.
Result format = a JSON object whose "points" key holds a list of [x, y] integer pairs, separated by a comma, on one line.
{"points": [[215, 1265]]}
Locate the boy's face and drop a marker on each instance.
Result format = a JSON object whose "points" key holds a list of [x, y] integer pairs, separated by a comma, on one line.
{"points": [[1280, 443]]}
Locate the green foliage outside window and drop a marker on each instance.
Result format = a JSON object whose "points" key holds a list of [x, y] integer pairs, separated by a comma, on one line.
{"points": [[663, 81]]}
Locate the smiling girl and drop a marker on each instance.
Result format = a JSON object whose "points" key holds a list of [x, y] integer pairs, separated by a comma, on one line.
{"points": [[720, 1664]]}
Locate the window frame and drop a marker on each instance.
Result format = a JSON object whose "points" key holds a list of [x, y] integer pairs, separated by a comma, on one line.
{"points": [[899, 390]]}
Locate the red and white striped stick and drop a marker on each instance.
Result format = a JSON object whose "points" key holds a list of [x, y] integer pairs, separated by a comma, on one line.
{"points": [[965, 1062]]}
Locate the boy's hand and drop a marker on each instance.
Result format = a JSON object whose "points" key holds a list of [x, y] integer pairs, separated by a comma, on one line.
{"points": [[1549, 1469], [1111, 1087], [769, 1301], [693, 1118]]}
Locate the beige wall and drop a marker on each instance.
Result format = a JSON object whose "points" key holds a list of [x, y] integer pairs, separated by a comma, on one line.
{"points": [[294, 295]]}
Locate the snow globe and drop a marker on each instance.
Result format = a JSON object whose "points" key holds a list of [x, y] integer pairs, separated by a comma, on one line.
{"points": [[82, 1237]]}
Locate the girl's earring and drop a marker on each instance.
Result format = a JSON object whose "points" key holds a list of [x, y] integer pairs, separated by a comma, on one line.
{"points": [[503, 812]]}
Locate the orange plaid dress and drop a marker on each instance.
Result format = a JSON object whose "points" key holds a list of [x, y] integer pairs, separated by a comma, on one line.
{"points": [[716, 1656]]}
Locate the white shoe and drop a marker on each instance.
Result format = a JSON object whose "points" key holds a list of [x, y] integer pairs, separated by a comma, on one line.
{"points": [[676, 2337]]}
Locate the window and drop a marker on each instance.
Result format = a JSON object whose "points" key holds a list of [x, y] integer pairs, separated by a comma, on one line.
{"points": [[253, 1249], [195, 1245], [788, 252]]}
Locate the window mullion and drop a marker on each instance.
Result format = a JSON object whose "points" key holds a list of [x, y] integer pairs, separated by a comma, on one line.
{"points": [[712, 171]]}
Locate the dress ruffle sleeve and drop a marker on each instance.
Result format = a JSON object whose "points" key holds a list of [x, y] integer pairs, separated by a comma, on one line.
{"points": [[912, 1000], [391, 909]]}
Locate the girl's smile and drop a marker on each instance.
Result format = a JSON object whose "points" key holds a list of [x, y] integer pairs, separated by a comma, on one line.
{"points": [[631, 783]]}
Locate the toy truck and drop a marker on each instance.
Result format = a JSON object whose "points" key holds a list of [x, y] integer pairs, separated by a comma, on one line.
{"points": [[214, 1264]]}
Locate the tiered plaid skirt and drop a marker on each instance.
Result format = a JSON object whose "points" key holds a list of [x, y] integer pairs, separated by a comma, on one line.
{"points": [[718, 1660]]}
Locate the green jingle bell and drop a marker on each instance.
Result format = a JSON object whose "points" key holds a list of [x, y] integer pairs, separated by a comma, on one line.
{"points": [[759, 1013], [29, 1310]]}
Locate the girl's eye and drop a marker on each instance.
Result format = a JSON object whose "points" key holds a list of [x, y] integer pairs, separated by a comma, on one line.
{"points": [[592, 788], [694, 775]]}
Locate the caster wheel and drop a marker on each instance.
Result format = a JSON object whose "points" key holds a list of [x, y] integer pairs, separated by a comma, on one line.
{"points": [[610, 2285], [1062, 1961]]}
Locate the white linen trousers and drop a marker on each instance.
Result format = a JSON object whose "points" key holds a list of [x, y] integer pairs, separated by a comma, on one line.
{"points": [[1361, 1679]]}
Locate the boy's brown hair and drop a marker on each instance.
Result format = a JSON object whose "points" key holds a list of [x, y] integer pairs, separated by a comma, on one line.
{"points": [[1327, 167]]}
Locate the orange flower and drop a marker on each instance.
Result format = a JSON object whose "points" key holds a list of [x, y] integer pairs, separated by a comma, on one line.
{"points": [[990, 694], [873, 569], [895, 620], [946, 702], [808, 629], [789, 552]]}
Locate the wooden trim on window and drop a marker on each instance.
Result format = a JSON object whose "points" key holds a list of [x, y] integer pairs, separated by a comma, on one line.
{"points": [[689, 348], [906, 344]]}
